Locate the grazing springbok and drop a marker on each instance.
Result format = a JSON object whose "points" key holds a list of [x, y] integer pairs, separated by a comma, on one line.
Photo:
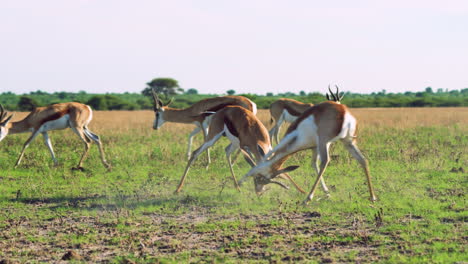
{"points": [[192, 114], [54, 117], [245, 132], [315, 129], [285, 110]]}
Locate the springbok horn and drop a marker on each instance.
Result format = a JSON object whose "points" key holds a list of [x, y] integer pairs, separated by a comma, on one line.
{"points": [[334, 98], [2, 113], [280, 184], [338, 94], [155, 98], [170, 101]]}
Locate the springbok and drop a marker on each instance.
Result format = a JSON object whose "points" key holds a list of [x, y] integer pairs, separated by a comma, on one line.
{"points": [[54, 117], [315, 129], [245, 132], [193, 114], [288, 110], [285, 110]]}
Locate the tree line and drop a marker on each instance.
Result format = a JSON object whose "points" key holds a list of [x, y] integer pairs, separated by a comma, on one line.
{"points": [[168, 87]]}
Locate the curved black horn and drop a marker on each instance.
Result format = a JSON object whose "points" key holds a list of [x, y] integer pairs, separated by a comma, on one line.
{"points": [[155, 98], [280, 184], [2, 113], [170, 101], [338, 94], [334, 98]]}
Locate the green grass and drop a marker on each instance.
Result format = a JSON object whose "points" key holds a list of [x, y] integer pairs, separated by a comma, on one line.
{"points": [[131, 213]]}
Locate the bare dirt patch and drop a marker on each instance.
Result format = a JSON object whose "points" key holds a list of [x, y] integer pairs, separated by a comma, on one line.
{"points": [[197, 235]]}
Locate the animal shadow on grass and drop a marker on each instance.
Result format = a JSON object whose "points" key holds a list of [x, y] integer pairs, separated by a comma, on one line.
{"points": [[103, 202]]}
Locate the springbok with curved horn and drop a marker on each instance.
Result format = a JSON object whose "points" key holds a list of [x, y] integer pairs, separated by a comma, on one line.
{"points": [[315, 129], [285, 110], [54, 117], [193, 114], [245, 132]]}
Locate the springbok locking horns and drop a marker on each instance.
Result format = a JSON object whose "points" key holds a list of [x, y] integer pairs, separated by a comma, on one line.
{"points": [[315, 129], [192, 114], [54, 117], [245, 131]]}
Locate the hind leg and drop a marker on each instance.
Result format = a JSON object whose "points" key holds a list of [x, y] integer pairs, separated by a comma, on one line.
{"points": [[356, 153], [97, 140], [86, 142]]}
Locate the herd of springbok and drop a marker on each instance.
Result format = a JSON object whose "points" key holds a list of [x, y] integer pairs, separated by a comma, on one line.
{"points": [[312, 127]]}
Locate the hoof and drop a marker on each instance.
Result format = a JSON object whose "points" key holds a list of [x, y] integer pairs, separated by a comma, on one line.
{"points": [[77, 169]]}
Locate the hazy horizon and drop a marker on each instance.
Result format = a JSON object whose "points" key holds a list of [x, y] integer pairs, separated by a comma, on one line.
{"points": [[103, 46]]}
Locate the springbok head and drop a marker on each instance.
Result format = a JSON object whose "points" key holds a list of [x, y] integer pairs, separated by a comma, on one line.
{"points": [[264, 174], [3, 122], [159, 108]]}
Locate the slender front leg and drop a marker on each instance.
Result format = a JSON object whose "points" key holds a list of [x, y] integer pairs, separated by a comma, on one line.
{"points": [[195, 155], [49, 146], [315, 160], [325, 158], [205, 136], [229, 149], [26, 144], [190, 140]]}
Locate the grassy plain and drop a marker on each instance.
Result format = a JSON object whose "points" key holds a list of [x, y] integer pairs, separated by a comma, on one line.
{"points": [[418, 160]]}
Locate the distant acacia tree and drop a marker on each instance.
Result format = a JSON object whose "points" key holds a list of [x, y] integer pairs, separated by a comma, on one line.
{"points": [[166, 86], [230, 92], [191, 91]]}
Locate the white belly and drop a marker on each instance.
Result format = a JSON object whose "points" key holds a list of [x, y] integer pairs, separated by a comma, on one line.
{"points": [[56, 124]]}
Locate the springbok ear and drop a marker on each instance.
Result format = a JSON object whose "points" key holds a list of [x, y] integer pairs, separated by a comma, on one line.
{"points": [[287, 169], [4, 123], [260, 150]]}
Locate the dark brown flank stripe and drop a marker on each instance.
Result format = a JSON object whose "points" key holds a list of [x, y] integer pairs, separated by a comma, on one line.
{"points": [[291, 110], [231, 127], [56, 115], [219, 107]]}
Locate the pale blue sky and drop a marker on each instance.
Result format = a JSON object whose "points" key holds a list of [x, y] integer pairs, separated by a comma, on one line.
{"points": [[249, 46]]}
